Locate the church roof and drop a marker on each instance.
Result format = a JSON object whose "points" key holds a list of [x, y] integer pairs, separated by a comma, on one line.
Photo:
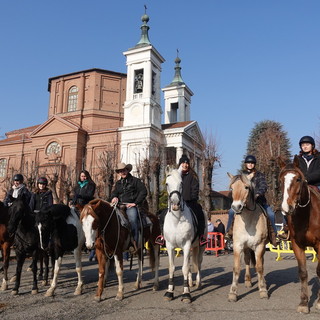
{"points": [[176, 125]]}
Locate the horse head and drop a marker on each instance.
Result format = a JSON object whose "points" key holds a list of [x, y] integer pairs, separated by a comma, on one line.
{"points": [[174, 188], [90, 222], [44, 224], [17, 212], [294, 187], [241, 187]]}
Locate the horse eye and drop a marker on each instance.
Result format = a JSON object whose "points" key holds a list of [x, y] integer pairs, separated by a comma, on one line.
{"points": [[246, 187], [298, 179]]}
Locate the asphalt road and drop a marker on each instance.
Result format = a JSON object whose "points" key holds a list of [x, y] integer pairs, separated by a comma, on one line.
{"points": [[210, 302]]}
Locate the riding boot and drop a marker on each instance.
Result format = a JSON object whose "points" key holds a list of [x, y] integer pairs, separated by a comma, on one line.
{"points": [[271, 233], [229, 233]]}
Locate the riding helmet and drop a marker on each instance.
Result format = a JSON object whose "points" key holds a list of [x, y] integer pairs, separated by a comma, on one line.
{"points": [[306, 139], [43, 180], [18, 177], [184, 159], [250, 159]]}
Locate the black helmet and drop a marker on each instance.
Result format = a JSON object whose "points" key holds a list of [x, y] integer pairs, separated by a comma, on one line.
{"points": [[306, 139], [43, 180], [250, 159], [18, 177], [184, 159]]}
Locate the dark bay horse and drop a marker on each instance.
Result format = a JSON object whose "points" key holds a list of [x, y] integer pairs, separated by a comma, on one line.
{"points": [[59, 226], [250, 234], [301, 204], [104, 231], [26, 239], [6, 242]]}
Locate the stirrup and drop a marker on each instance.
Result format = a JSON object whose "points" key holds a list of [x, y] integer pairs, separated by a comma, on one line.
{"points": [[159, 240], [203, 240]]}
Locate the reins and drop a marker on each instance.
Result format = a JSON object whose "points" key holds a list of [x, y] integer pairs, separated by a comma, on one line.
{"points": [[309, 196]]}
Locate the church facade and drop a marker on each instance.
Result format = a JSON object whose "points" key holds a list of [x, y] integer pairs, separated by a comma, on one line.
{"points": [[97, 118]]}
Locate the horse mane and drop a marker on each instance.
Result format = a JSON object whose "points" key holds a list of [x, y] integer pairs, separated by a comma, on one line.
{"points": [[57, 211]]}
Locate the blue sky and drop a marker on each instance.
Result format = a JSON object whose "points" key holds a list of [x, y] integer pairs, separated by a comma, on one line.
{"points": [[245, 60]]}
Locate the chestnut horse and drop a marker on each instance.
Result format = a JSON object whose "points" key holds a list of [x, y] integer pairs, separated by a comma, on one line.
{"points": [[301, 204], [250, 234], [6, 242], [103, 230]]}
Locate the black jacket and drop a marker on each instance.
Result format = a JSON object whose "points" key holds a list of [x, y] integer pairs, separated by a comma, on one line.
{"points": [[41, 200], [190, 186], [85, 194], [129, 190], [311, 173], [22, 192]]}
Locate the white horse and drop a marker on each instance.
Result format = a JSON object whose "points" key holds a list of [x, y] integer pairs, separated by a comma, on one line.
{"points": [[250, 234], [179, 232]]}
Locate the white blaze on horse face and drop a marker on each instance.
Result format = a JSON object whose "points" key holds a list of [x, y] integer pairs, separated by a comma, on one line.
{"points": [[40, 234], [287, 183], [174, 188], [89, 233]]}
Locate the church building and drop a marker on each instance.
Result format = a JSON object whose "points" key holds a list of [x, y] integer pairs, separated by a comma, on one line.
{"points": [[98, 117]]}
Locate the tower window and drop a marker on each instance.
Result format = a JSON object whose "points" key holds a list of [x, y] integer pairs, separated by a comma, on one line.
{"points": [[73, 99], [153, 83], [174, 112], [3, 167], [138, 81]]}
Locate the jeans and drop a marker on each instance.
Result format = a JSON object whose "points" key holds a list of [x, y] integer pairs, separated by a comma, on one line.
{"points": [[269, 211], [132, 214]]}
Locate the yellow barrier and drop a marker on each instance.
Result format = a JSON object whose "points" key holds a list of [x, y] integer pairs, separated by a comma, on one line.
{"points": [[285, 247], [178, 250]]}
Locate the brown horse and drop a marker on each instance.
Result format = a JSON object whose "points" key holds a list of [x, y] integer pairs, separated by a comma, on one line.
{"points": [[301, 204], [6, 242], [104, 231], [250, 234]]}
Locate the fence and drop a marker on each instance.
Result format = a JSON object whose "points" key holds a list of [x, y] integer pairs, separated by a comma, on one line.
{"points": [[285, 247], [215, 242]]}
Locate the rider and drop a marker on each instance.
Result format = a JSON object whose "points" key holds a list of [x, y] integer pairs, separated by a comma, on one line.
{"points": [[190, 194], [84, 190], [130, 193], [309, 164], [42, 197], [18, 189], [260, 188]]}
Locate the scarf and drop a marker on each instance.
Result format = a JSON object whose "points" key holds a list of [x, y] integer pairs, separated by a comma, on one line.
{"points": [[83, 183], [16, 190]]}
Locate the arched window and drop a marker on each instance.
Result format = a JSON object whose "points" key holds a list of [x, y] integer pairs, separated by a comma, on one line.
{"points": [[73, 99], [3, 168]]}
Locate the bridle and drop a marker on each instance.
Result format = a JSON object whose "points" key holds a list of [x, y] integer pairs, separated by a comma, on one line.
{"points": [[178, 193]]}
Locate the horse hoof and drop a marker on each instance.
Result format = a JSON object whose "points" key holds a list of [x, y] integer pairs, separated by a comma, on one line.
{"points": [[34, 291], [14, 292], [4, 287], [49, 293], [78, 292], [248, 284], [155, 288], [13, 279], [264, 295], [232, 297], [303, 309], [168, 296], [119, 297], [44, 283], [97, 298], [186, 298]]}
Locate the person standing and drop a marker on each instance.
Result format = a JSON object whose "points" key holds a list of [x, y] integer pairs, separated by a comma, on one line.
{"points": [[220, 227], [129, 192], [18, 189]]}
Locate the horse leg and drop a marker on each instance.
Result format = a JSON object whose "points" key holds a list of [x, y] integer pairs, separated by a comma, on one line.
{"points": [[259, 254], [318, 274], [34, 271], [303, 275], [186, 297], [195, 262], [156, 253], [233, 293], [77, 256], [138, 283], [57, 264], [102, 269], [21, 256], [6, 258], [247, 260], [40, 276], [119, 271], [45, 259], [168, 296]]}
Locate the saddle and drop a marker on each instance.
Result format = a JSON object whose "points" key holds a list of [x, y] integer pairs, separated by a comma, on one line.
{"points": [[271, 234]]}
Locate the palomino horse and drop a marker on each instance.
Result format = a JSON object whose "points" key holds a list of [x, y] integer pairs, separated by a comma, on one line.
{"points": [[60, 227], [301, 204], [104, 231], [179, 232], [250, 234], [6, 242], [26, 239]]}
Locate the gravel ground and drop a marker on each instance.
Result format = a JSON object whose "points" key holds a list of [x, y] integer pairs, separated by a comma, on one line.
{"points": [[210, 302]]}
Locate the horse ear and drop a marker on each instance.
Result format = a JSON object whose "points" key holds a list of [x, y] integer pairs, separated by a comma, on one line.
{"points": [[296, 161], [281, 163], [230, 175], [168, 169]]}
